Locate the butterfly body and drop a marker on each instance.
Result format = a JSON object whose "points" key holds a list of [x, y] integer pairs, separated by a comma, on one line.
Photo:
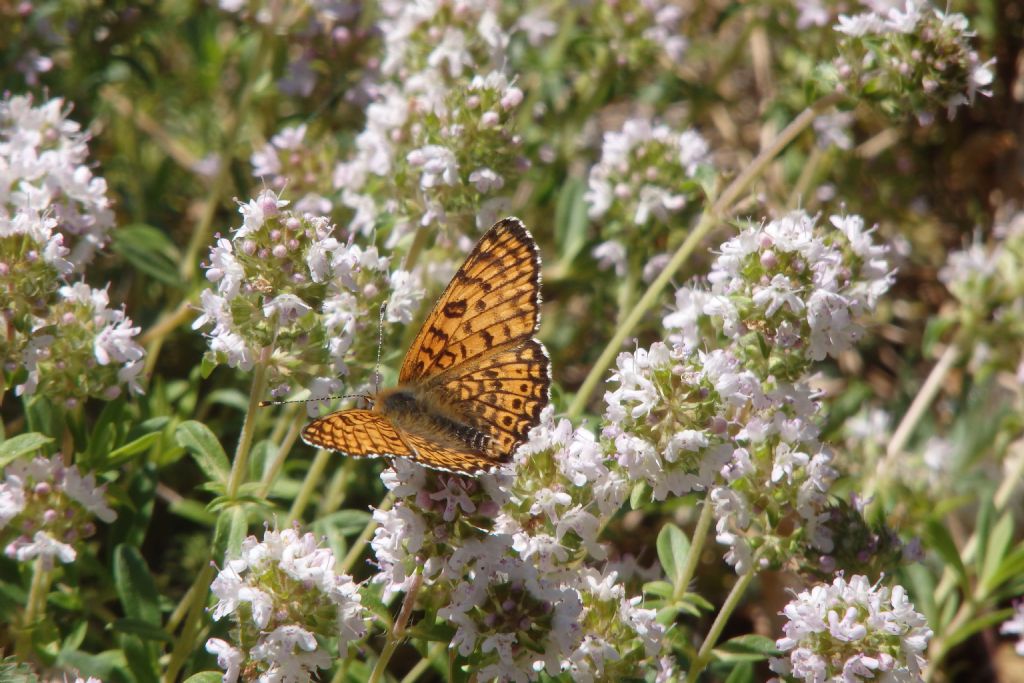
{"points": [[474, 381]]}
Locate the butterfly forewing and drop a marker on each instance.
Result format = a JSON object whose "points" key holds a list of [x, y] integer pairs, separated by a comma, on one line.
{"points": [[357, 433], [493, 300]]}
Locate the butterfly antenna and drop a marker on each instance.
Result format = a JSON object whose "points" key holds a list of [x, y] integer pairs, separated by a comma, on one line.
{"points": [[380, 345], [264, 404]]}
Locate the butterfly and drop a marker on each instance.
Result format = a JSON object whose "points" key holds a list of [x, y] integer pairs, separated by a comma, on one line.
{"points": [[475, 380]]}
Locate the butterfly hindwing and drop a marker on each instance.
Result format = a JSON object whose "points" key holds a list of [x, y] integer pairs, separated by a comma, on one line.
{"points": [[493, 300], [359, 433], [502, 393], [432, 454]]}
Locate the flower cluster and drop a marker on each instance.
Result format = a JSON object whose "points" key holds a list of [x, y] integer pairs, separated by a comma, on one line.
{"points": [[910, 58], [438, 141], [290, 293], [62, 341], [647, 175], [637, 32], [987, 285], [82, 348], [46, 509], [288, 603], [852, 631], [504, 552], [290, 160], [43, 155], [314, 36], [741, 421], [790, 287]]}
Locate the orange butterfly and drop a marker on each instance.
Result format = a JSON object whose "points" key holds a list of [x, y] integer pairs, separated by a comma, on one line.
{"points": [[474, 381]]}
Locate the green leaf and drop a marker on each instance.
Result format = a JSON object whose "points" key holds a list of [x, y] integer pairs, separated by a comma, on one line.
{"points": [[939, 539], [206, 677], [125, 452], [149, 250], [743, 672], [20, 445], [571, 220], [747, 648], [976, 626], [142, 629], [673, 549], [229, 533], [202, 444], [698, 601], [135, 586], [637, 495], [659, 588], [1011, 567], [995, 550], [982, 531]]}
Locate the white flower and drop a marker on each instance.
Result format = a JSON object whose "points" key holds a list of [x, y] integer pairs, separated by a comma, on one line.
{"points": [[611, 254], [405, 298], [438, 163], [83, 490], [485, 180], [43, 546], [229, 658]]}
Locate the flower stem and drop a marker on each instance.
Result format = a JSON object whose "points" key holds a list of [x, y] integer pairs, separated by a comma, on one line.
{"points": [[397, 632], [700, 535], [184, 645], [731, 602], [920, 404], [240, 466], [35, 607], [708, 220], [433, 651], [275, 465], [313, 478]]}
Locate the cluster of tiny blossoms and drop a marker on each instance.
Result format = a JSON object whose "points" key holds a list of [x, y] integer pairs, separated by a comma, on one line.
{"points": [[43, 172], [82, 348], [289, 294], [62, 341], [910, 58], [647, 175], [637, 32], [852, 631], [740, 421], [316, 36], [507, 555], [290, 609], [987, 284], [438, 143], [301, 163], [46, 509]]}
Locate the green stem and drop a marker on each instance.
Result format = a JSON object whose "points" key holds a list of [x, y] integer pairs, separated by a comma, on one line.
{"points": [[711, 217], [731, 602], [357, 546], [35, 608], [285, 447], [183, 647], [240, 466], [397, 633], [700, 536], [433, 651], [309, 484]]}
